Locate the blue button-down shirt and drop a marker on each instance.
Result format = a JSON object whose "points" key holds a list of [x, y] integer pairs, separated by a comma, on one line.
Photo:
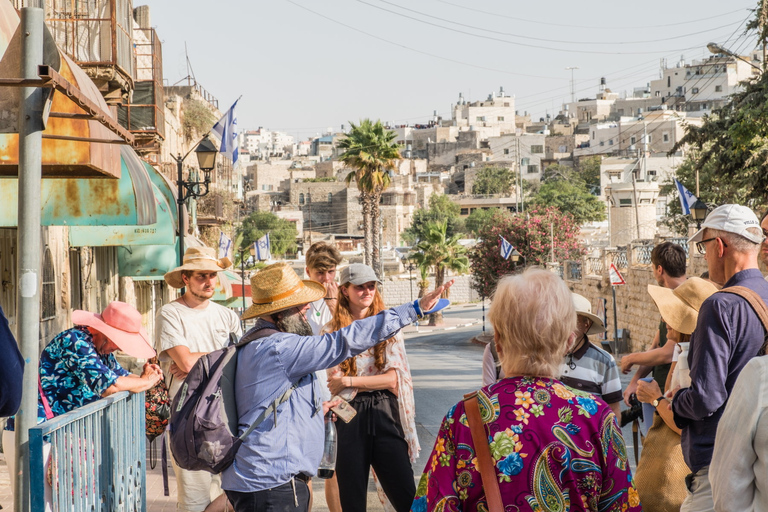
{"points": [[266, 368], [728, 334]]}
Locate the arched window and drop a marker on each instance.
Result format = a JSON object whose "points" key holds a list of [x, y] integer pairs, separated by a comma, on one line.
{"points": [[48, 307], [301, 198]]}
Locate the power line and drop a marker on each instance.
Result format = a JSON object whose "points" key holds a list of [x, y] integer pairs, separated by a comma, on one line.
{"points": [[511, 42], [559, 41], [600, 27]]}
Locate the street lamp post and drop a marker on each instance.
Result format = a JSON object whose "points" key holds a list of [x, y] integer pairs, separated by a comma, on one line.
{"points": [[699, 212], [242, 274], [716, 48], [206, 159]]}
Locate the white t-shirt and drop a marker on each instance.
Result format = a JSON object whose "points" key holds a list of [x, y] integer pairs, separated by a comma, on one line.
{"points": [[318, 315], [200, 330]]}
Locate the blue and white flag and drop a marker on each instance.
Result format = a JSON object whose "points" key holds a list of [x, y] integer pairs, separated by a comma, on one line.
{"points": [[263, 248], [226, 129], [225, 245], [506, 248], [686, 198]]}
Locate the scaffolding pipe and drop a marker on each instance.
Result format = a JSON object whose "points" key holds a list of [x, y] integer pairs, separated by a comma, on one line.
{"points": [[29, 231]]}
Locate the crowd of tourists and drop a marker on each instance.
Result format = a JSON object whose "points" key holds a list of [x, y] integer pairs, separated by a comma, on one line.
{"points": [[543, 433]]}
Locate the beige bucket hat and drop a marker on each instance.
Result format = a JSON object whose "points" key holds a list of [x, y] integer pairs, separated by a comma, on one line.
{"points": [[202, 259], [277, 288], [680, 307], [584, 308]]}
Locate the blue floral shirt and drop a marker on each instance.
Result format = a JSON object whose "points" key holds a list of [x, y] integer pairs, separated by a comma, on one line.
{"points": [[72, 373]]}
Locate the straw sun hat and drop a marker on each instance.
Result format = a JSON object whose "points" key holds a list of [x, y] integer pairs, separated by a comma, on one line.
{"points": [[584, 308], [202, 259], [277, 288], [121, 324], [680, 307]]}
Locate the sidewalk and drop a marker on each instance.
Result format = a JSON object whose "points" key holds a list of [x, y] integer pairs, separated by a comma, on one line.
{"points": [[449, 323]]}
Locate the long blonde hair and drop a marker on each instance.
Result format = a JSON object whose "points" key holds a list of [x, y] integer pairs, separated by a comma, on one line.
{"points": [[342, 317]]}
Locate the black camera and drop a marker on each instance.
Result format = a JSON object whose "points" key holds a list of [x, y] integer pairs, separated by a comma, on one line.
{"points": [[634, 412]]}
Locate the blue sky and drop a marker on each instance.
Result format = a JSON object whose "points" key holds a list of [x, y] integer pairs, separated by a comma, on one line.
{"points": [[304, 65]]}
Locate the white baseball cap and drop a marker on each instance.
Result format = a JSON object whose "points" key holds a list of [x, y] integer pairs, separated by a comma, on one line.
{"points": [[732, 218]]}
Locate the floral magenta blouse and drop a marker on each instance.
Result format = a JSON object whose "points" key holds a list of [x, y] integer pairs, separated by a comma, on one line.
{"points": [[554, 449]]}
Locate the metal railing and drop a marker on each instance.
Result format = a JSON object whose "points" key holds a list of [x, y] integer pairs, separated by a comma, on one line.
{"points": [[574, 270], [641, 252], [619, 258], [594, 266], [682, 242], [97, 457]]}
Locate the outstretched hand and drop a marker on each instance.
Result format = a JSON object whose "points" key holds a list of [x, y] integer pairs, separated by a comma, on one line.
{"points": [[429, 300]]}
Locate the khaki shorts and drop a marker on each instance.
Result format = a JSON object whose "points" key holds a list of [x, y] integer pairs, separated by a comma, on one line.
{"points": [[195, 490]]}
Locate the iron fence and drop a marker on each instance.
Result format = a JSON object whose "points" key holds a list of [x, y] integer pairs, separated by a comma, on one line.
{"points": [[574, 270], [682, 242], [594, 265], [97, 457], [619, 258], [641, 252]]}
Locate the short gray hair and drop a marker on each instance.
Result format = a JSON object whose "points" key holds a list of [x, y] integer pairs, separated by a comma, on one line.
{"points": [[737, 242]]}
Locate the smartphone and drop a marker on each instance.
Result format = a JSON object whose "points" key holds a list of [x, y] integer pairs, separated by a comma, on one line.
{"points": [[343, 411]]}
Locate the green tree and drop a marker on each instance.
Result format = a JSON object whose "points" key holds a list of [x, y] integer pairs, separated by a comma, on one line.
{"points": [[494, 180], [282, 233], [441, 208], [370, 150], [480, 218], [531, 234], [588, 169], [730, 148], [569, 197], [441, 252]]}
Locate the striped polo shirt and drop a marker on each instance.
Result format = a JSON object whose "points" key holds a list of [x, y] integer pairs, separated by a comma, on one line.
{"points": [[595, 372]]}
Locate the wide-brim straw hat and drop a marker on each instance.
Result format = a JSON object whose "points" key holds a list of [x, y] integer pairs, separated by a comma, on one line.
{"points": [[202, 259], [121, 323], [584, 308], [680, 307], [277, 288]]}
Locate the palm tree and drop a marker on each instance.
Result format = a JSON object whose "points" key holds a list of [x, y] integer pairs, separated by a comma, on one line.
{"points": [[369, 150], [443, 253]]}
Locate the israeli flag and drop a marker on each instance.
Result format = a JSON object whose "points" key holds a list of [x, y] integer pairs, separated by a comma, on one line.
{"points": [[506, 248], [263, 248], [225, 245], [226, 130], [686, 198]]}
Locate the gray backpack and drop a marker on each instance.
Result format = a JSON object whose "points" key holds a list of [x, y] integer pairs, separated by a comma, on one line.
{"points": [[204, 420]]}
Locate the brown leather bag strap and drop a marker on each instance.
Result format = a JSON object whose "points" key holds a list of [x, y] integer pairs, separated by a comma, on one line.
{"points": [[758, 305], [483, 452]]}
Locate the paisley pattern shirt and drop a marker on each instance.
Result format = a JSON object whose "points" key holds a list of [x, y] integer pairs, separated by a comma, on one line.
{"points": [[554, 449]]}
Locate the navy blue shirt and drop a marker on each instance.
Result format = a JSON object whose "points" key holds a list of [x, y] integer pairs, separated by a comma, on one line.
{"points": [[728, 334], [11, 370]]}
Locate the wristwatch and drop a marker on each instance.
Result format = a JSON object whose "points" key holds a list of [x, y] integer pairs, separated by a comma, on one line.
{"points": [[656, 402]]}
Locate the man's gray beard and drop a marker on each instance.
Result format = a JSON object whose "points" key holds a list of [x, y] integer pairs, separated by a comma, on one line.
{"points": [[295, 323]]}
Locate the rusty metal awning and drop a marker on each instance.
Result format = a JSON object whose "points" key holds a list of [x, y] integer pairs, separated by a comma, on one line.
{"points": [[128, 201], [162, 232], [81, 134]]}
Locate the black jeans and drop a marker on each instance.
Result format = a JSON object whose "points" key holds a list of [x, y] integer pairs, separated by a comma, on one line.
{"points": [[278, 499], [374, 438]]}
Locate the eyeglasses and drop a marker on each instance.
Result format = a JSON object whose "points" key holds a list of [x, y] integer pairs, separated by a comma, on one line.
{"points": [[702, 248]]}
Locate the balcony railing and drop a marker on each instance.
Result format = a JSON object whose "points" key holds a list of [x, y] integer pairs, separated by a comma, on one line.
{"points": [[97, 457]]}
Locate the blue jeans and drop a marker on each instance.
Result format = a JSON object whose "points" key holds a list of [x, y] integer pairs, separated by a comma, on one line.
{"points": [[278, 499]]}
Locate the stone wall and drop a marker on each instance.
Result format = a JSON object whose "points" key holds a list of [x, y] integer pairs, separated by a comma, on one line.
{"points": [[397, 290]]}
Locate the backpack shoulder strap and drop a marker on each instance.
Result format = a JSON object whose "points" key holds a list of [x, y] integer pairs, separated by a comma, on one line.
{"points": [[271, 409], [483, 452], [757, 303], [252, 335]]}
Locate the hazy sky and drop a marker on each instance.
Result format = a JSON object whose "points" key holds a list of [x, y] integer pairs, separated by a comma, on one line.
{"points": [[302, 66]]}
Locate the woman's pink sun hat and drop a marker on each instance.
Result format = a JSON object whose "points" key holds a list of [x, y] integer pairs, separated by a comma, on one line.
{"points": [[121, 323]]}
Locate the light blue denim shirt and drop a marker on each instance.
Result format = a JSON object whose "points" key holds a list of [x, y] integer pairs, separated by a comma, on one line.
{"points": [[267, 367]]}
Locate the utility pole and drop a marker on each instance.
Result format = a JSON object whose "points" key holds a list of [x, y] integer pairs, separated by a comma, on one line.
{"points": [[763, 19], [573, 94], [31, 29]]}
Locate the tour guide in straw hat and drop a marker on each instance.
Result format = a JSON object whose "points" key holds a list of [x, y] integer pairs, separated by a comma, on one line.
{"points": [[275, 461], [186, 329]]}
